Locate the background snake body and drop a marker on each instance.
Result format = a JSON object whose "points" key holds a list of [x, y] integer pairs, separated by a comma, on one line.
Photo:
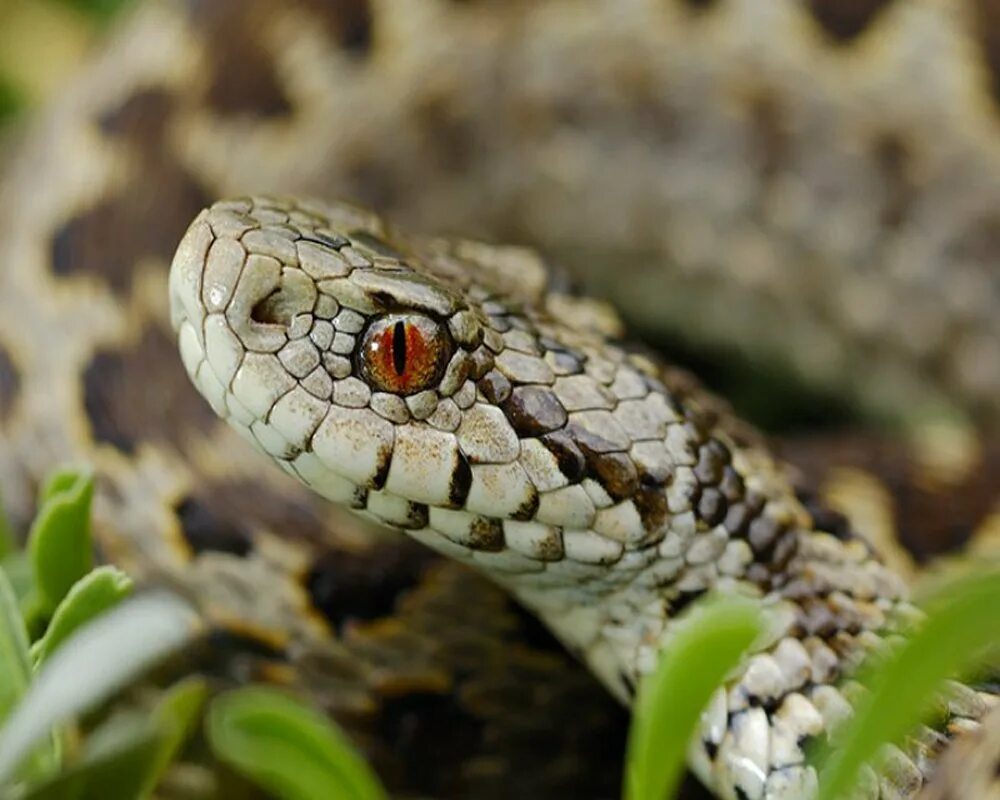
{"points": [[812, 185]]}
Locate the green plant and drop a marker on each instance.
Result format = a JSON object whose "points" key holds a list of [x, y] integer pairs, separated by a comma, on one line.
{"points": [[71, 639]]}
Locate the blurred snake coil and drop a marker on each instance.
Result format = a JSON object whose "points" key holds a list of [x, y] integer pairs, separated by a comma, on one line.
{"points": [[810, 190]]}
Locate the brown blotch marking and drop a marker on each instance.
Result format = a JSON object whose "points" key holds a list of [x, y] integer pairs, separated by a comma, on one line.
{"points": [[486, 533], [141, 392], [614, 471], [700, 5], [495, 387], [205, 530], [988, 27], [845, 20], [244, 76], [10, 383], [533, 411], [932, 517], [568, 456], [347, 586], [651, 503], [148, 215], [461, 482]]}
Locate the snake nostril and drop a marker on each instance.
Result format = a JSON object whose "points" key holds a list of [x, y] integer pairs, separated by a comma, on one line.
{"points": [[273, 309]]}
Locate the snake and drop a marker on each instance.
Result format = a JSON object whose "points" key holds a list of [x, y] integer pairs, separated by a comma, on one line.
{"points": [[811, 185]]}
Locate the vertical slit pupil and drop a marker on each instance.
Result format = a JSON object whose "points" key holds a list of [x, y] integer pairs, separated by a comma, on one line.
{"points": [[399, 348]]}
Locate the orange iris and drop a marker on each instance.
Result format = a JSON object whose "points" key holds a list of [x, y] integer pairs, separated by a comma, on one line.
{"points": [[404, 354]]}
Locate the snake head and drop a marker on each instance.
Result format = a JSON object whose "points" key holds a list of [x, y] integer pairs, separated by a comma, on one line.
{"points": [[353, 359], [438, 387]]}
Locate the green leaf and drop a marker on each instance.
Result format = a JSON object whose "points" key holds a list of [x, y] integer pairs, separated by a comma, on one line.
{"points": [[706, 647], [15, 663], [176, 715], [59, 540], [14, 680], [8, 542], [105, 655], [117, 762], [93, 594], [961, 625], [288, 749]]}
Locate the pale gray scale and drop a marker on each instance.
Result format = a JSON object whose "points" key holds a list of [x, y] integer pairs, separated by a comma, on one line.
{"points": [[343, 343], [543, 469], [260, 276], [296, 416], [606, 434], [465, 329], [424, 464], [501, 490], [486, 436], [581, 392], [299, 357], [566, 506], [522, 342], [390, 406], [337, 366], [356, 443], [322, 334], [349, 295], [318, 383], [349, 321], [223, 266], [301, 325], [534, 540], [455, 374], [447, 417], [351, 392], [422, 404], [396, 511], [326, 307], [525, 369], [469, 530], [272, 241]]}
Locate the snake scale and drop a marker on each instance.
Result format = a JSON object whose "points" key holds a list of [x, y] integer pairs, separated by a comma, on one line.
{"points": [[816, 183]]}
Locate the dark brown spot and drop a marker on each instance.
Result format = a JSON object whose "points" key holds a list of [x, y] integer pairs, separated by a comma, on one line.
{"points": [[461, 482], [486, 534], [533, 411], [204, 529], [241, 62], [147, 216], [712, 506], [700, 5], [568, 456], [989, 29], [141, 392], [651, 503], [349, 586], [713, 457], [10, 383], [731, 485], [844, 20], [495, 387], [825, 518], [614, 471]]}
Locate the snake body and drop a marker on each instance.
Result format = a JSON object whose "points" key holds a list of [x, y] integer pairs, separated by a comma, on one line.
{"points": [[444, 390], [815, 183]]}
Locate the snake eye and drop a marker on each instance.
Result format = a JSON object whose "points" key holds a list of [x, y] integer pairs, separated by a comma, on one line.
{"points": [[404, 354]]}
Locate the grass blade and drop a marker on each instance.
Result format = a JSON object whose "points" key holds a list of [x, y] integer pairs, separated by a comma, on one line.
{"points": [[92, 595], [291, 751], [708, 644], [101, 658]]}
